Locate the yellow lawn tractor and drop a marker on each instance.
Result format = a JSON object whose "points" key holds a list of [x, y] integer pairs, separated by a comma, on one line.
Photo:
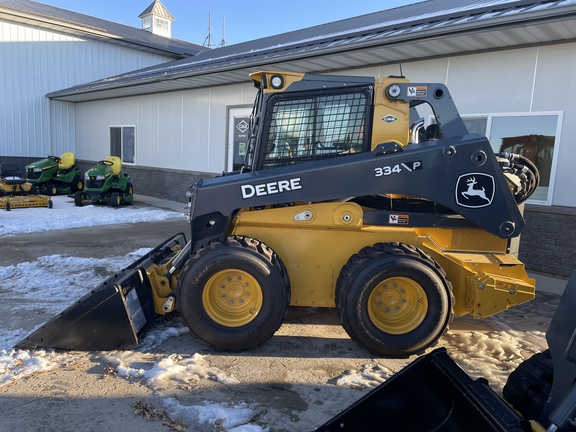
{"points": [[16, 192]]}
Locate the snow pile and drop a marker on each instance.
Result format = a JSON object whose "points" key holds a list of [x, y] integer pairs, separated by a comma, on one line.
{"points": [[65, 215]]}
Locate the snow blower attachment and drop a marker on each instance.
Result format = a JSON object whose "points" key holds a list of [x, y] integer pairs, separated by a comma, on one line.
{"points": [[115, 314], [16, 192]]}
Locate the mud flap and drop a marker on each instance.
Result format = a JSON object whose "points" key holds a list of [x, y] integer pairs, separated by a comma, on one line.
{"points": [[431, 394], [112, 316]]}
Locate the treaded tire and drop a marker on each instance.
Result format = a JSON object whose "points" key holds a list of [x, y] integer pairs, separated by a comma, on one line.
{"points": [[258, 302], [394, 300], [529, 385], [79, 199], [77, 184], [115, 199]]}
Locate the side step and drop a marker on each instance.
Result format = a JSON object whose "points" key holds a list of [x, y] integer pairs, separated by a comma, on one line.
{"points": [[430, 394], [112, 316]]}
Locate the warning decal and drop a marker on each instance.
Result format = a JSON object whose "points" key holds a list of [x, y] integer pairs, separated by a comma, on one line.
{"points": [[398, 219], [417, 91]]}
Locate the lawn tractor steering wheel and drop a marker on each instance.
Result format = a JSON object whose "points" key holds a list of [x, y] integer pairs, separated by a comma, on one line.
{"points": [[54, 158], [106, 162]]}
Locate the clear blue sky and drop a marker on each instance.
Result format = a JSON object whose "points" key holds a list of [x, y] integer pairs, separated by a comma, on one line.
{"points": [[244, 20]]}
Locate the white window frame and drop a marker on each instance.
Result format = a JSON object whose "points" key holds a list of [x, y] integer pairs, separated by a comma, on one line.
{"points": [[122, 127], [557, 143]]}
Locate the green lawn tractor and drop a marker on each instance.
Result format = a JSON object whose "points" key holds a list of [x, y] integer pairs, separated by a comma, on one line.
{"points": [[105, 184], [55, 175]]}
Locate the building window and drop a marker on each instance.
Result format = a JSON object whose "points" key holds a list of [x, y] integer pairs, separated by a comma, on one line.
{"points": [[161, 24], [122, 142], [532, 135], [146, 23]]}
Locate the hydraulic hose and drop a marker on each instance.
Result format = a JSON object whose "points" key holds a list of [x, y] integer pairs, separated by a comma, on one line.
{"points": [[521, 173]]}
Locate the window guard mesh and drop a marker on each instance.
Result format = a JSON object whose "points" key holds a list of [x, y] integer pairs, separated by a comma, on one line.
{"points": [[312, 128]]}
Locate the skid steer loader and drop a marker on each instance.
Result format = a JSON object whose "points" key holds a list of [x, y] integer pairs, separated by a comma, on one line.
{"points": [[361, 194]]}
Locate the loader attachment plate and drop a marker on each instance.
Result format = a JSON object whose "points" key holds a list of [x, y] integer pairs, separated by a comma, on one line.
{"points": [[112, 316], [430, 394]]}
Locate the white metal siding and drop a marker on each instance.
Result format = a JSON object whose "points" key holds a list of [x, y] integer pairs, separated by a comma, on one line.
{"points": [[179, 130], [36, 62]]}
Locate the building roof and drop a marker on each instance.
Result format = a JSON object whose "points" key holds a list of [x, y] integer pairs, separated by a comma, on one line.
{"points": [[158, 9], [65, 21], [428, 29]]}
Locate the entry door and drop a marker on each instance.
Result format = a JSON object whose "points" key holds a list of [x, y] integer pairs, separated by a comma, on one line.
{"points": [[238, 129]]}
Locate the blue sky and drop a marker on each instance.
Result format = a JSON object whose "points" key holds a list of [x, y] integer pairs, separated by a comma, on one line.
{"points": [[244, 20]]}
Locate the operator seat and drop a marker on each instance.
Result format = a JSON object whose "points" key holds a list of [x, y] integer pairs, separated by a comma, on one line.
{"points": [[10, 174], [67, 161], [116, 165]]}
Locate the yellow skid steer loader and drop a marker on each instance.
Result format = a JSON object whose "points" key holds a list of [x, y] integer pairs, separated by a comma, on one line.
{"points": [[367, 195]]}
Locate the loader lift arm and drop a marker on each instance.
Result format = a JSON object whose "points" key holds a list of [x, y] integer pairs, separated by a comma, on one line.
{"points": [[390, 169]]}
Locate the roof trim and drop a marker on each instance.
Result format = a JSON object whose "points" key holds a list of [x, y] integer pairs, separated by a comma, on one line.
{"points": [[65, 21], [478, 25]]}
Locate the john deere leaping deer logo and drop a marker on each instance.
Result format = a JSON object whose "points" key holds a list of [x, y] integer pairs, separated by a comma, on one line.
{"points": [[475, 190]]}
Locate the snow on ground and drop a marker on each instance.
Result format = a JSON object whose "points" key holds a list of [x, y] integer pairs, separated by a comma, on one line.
{"points": [[491, 354], [65, 214], [45, 279]]}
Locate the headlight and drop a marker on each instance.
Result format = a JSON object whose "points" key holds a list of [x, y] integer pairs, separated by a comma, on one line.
{"points": [[100, 177], [37, 169], [86, 176]]}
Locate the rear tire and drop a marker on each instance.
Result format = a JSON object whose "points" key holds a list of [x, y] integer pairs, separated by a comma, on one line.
{"points": [[233, 294], [77, 184], [394, 300]]}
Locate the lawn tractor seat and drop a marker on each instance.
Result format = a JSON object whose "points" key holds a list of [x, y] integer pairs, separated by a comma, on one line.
{"points": [[116, 165], [10, 174], [67, 161]]}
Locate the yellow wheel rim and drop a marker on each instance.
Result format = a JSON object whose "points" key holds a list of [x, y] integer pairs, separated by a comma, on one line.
{"points": [[397, 305], [232, 298]]}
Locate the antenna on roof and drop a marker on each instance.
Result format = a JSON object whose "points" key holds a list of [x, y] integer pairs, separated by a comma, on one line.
{"points": [[400, 64], [209, 42], [223, 41]]}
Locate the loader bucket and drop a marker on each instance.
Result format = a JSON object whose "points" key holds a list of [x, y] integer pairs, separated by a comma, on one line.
{"points": [[430, 394], [112, 316]]}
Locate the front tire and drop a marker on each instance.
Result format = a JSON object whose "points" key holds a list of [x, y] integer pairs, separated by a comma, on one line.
{"points": [[115, 199], [51, 189], [233, 294], [394, 300], [79, 199]]}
